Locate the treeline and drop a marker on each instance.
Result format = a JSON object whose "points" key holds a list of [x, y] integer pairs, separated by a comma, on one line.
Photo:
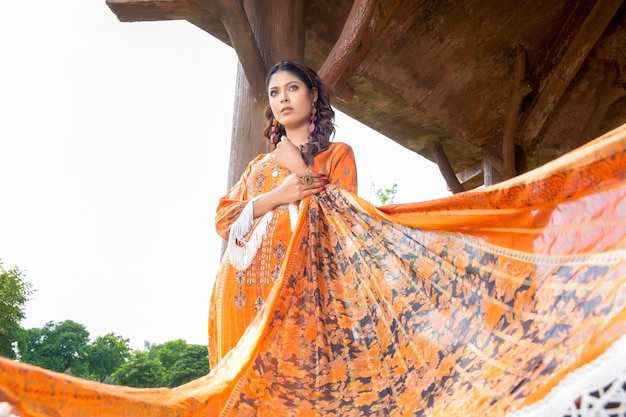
{"points": [[66, 347]]}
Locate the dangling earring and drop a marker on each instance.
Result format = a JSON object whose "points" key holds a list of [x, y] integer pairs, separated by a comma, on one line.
{"points": [[312, 119], [274, 134]]}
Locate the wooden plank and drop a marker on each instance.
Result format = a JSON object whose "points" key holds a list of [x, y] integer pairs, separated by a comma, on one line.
{"points": [[154, 10], [275, 42], [444, 165], [233, 16], [608, 93], [520, 90], [582, 43], [366, 21]]}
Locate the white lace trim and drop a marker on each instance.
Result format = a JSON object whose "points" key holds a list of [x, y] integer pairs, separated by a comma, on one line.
{"points": [[597, 389], [293, 215], [6, 410], [241, 253]]}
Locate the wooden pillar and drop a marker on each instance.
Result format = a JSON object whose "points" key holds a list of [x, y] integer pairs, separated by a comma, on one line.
{"points": [[519, 91], [443, 163], [492, 163], [278, 27]]}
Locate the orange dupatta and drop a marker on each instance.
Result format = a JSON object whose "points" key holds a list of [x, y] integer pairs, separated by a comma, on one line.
{"points": [[503, 301]]}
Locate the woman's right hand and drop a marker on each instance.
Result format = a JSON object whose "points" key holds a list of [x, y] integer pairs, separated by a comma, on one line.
{"points": [[294, 188]]}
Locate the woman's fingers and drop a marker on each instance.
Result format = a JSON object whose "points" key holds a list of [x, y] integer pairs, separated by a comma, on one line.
{"points": [[296, 187], [311, 179]]}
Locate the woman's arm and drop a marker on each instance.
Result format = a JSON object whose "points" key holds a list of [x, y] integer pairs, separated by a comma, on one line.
{"points": [[292, 189], [232, 204]]}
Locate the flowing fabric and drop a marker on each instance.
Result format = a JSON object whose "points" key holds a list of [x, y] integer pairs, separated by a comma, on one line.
{"points": [[504, 301]]}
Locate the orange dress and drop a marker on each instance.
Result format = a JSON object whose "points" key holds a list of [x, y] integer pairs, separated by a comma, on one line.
{"points": [[239, 293], [507, 301]]}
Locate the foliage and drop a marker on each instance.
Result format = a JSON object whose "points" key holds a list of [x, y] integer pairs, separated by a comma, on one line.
{"points": [[65, 346], [140, 371], [151, 348], [168, 365], [386, 195], [105, 355], [193, 364], [169, 352], [14, 293], [182, 362], [60, 347]]}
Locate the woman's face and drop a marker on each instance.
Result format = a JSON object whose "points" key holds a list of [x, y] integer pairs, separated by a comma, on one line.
{"points": [[290, 100]]}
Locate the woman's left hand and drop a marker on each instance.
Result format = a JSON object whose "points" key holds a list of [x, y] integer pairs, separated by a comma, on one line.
{"points": [[289, 156]]}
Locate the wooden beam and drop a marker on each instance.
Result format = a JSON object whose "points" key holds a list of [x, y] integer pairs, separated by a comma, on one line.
{"points": [[444, 164], [154, 10], [353, 31], [609, 92], [275, 42], [520, 90], [470, 172], [235, 20], [231, 14], [367, 19], [590, 31], [492, 168]]}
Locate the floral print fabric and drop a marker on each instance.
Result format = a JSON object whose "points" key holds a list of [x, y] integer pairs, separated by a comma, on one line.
{"points": [[478, 304]]}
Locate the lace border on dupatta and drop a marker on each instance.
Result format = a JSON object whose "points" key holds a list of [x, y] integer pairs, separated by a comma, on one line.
{"points": [[6, 410], [597, 389]]}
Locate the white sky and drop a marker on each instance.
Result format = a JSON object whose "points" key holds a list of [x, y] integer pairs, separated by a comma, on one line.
{"points": [[114, 144]]}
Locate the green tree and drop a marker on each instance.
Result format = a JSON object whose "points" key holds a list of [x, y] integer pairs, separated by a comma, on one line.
{"points": [[386, 195], [169, 352], [59, 347], [168, 365], [151, 348], [105, 355], [140, 371], [193, 364], [14, 293], [182, 362]]}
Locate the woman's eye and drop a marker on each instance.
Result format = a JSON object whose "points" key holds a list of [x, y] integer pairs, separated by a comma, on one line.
{"points": [[273, 93], [293, 87]]}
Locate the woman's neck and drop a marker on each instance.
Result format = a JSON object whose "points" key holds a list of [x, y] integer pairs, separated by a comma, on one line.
{"points": [[298, 136]]}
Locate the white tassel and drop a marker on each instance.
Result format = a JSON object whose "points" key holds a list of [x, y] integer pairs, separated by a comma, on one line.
{"points": [[6, 410], [241, 253], [293, 215]]}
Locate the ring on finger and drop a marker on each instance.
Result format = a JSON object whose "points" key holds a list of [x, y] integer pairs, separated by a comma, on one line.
{"points": [[306, 180]]}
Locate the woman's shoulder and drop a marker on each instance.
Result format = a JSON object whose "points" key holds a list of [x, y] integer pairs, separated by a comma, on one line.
{"points": [[260, 158], [336, 153], [339, 147], [257, 163]]}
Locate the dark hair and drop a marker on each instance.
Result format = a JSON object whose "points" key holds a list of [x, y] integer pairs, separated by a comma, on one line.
{"points": [[319, 139]]}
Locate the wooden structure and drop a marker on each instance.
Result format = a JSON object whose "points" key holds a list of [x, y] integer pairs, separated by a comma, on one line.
{"points": [[486, 89]]}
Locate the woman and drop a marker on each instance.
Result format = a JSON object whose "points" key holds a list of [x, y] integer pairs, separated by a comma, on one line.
{"points": [[256, 216]]}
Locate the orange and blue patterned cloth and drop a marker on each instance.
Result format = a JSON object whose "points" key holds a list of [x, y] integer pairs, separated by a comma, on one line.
{"points": [[508, 300]]}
